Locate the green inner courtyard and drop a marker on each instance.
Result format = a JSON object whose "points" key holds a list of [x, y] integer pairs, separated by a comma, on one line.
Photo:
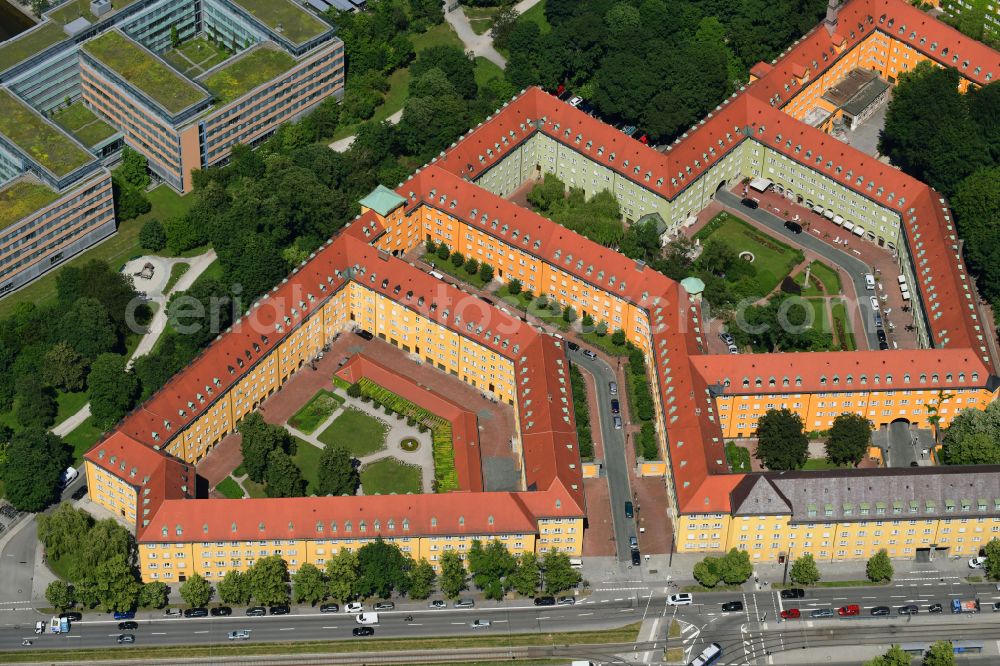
{"points": [[772, 259], [83, 123], [144, 70], [246, 73], [313, 413], [286, 18], [195, 56], [39, 139], [356, 431], [22, 198], [388, 475]]}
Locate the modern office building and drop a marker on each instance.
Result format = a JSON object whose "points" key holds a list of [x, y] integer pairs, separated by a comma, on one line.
{"points": [[180, 81], [700, 399]]}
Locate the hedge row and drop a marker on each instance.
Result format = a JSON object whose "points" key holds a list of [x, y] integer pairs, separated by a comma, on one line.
{"points": [[581, 411], [641, 401]]}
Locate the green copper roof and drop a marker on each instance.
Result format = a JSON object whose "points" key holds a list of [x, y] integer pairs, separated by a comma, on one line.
{"points": [[382, 200], [693, 285]]}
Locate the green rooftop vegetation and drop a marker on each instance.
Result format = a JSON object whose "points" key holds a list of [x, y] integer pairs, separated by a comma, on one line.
{"points": [[38, 138], [29, 44], [21, 198], [83, 123], [285, 18], [75, 9], [144, 70], [246, 73]]}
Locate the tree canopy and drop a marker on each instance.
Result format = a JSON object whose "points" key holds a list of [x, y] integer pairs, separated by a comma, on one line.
{"points": [[849, 438], [32, 469], [894, 657], [781, 442], [879, 568], [383, 568], [338, 472], [973, 437]]}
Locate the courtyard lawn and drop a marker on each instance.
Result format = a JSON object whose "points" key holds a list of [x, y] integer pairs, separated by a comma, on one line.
{"points": [[195, 56], [486, 70], [230, 488], [389, 475], [738, 458], [82, 438], [537, 15], [82, 123], [255, 490], [818, 464], [480, 18], [457, 272], [307, 459], [357, 432], [842, 326], [821, 322], [116, 250], [827, 276], [773, 260], [314, 412]]}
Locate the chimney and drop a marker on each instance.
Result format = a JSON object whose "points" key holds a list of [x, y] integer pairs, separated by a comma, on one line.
{"points": [[832, 9]]}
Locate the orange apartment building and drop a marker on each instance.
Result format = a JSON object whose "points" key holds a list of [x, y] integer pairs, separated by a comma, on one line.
{"points": [[700, 399]]}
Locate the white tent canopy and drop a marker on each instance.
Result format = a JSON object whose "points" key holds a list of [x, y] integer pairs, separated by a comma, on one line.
{"points": [[760, 184]]}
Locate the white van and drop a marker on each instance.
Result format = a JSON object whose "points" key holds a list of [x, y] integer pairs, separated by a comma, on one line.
{"points": [[367, 618], [69, 476], [870, 281], [576, 562], [439, 276]]}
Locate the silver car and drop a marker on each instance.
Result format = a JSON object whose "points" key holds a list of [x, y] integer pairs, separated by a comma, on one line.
{"points": [[822, 612]]}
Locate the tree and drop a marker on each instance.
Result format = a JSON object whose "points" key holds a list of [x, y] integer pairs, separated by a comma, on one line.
{"points": [[184, 233], [443, 252], [848, 440], [569, 315], [114, 585], [134, 169], [558, 574], [941, 653], [457, 259], [504, 22], [976, 205], [471, 266], [383, 568], [486, 273], [422, 577], [457, 67], [153, 236], [781, 442], [342, 574], [514, 287], [36, 403], [259, 439], [734, 567], [60, 595], [130, 202], [113, 390], [33, 467], [804, 571], [153, 595], [879, 567], [309, 584], [196, 591], [894, 657], [706, 572], [524, 579], [283, 477], [234, 588], [992, 552], [175, 39], [64, 368], [338, 473], [452, 580], [490, 566], [267, 581], [618, 338], [88, 328], [354, 390], [973, 438]]}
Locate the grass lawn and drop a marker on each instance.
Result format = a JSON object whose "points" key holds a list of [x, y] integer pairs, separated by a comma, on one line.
{"points": [[457, 272], [389, 475], [737, 457], [773, 260], [842, 326], [230, 488], [176, 272], [69, 404], [486, 70], [480, 18], [240, 470], [116, 250], [314, 412], [255, 490], [246, 73], [537, 15], [307, 459], [82, 438], [297, 24], [82, 123], [356, 431], [604, 343], [818, 464], [820, 321], [826, 275], [74, 9]]}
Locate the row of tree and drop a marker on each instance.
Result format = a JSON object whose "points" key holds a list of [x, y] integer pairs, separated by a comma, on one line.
{"points": [[782, 442], [940, 653], [735, 568]]}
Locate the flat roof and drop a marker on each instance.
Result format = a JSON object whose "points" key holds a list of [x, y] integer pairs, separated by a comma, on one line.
{"points": [[285, 18], [39, 139], [255, 68], [21, 198], [145, 71], [70, 11], [29, 43]]}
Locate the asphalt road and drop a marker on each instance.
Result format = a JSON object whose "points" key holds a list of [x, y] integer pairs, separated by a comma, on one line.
{"points": [[615, 462], [854, 267]]}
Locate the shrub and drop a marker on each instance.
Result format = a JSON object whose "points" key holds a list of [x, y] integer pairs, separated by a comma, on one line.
{"points": [[514, 287], [443, 252], [471, 266], [430, 246], [354, 390], [457, 259], [152, 236], [486, 272]]}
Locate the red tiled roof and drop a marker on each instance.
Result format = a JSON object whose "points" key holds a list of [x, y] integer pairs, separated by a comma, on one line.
{"points": [[297, 517], [940, 369], [464, 425]]}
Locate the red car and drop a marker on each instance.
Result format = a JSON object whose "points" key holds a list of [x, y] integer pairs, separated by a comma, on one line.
{"points": [[845, 611], [790, 614]]}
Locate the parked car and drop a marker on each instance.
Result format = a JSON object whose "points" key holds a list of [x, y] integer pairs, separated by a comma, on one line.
{"points": [[195, 612], [363, 631], [480, 624], [280, 609], [465, 603], [636, 558], [256, 611], [880, 334], [996, 606], [881, 610], [221, 611], [572, 345], [172, 612], [680, 599], [822, 612], [329, 608], [545, 601], [909, 609], [126, 638], [794, 227], [791, 614], [128, 624], [727, 338], [733, 349], [354, 607], [385, 606], [79, 492], [72, 616], [977, 563], [633, 543], [612, 388], [793, 593], [749, 203], [629, 512], [732, 607], [362, 333], [935, 608], [849, 610], [566, 601], [617, 421], [590, 354], [575, 100], [615, 407], [437, 603], [883, 345], [121, 615]]}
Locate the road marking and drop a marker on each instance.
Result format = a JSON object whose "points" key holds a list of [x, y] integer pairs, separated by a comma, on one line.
{"points": [[417, 624], [544, 617], [158, 633], [619, 599], [604, 601], [496, 621], [584, 614], [621, 610], [286, 628], [458, 623], [202, 632]]}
